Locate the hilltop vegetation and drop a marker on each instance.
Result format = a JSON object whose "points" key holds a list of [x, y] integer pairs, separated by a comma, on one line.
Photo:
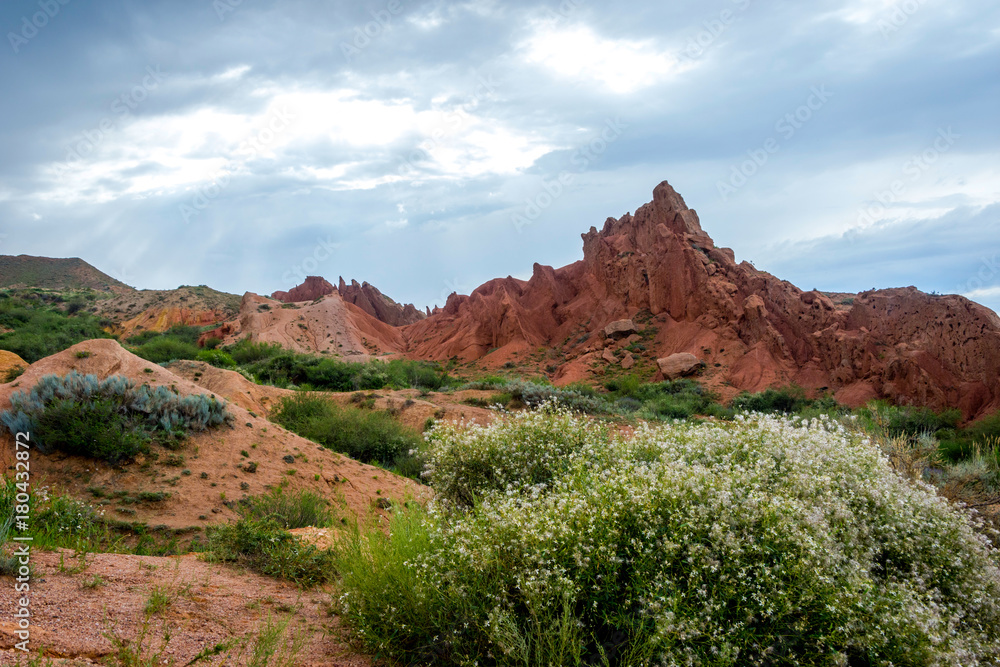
{"points": [[25, 271], [37, 323]]}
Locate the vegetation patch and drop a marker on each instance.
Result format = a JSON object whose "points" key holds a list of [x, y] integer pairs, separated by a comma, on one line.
{"points": [[39, 323], [272, 364], [289, 509], [764, 540], [113, 420], [366, 435], [263, 545]]}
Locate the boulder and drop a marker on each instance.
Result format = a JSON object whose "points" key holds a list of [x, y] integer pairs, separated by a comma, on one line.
{"points": [[620, 329], [679, 365], [609, 355], [628, 361]]}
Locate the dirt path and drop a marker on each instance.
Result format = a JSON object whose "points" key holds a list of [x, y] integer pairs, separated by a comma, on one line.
{"points": [[78, 607]]}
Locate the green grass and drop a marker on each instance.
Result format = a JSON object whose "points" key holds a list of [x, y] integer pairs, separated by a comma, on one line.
{"points": [[59, 521], [159, 600], [8, 495], [41, 324], [272, 364], [289, 509], [369, 436], [264, 546]]}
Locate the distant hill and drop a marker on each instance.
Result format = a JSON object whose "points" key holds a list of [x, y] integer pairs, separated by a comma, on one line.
{"points": [[56, 274], [159, 310]]}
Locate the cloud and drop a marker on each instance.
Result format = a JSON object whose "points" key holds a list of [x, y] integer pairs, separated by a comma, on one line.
{"points": [[578, 54], [457, 112]]}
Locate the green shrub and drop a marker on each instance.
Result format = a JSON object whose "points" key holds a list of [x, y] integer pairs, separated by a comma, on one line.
{"points": [[761, 541], [901, 420], [181, 333], [218, 358], [162, 350], [288, 509], [265, 547], [246, 351], [366, 435], [784, 400], [627, 385], [212, 342], [528, 448], [39, 329], [275, 365], [96, 428], [112, 420]]}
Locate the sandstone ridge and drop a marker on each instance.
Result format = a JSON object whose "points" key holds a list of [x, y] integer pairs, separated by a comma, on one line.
{"points": [[749, 328]]}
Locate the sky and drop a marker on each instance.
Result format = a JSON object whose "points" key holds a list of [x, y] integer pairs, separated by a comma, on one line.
{"points": [[427, 147]]}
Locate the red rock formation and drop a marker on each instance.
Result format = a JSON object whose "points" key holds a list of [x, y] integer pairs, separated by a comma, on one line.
{"points": [[752, 329], [366, 297], [369, 299], [313, 288]]}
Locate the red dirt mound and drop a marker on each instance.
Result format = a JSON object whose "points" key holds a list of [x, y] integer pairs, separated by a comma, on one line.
{"points": [[328, 325], [211, 468]]}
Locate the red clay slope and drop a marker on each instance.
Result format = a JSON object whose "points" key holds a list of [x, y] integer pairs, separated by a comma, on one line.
{"points": [[752, 329]]}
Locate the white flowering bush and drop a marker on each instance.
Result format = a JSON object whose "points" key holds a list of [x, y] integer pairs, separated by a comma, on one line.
{"points": [[766, 541]]}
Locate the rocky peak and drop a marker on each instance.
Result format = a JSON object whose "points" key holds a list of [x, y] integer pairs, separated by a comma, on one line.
{"points": [[311, 289]]}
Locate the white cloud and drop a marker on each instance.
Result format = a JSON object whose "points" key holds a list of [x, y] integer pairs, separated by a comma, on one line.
{"points": [[984, 293], [622, 66], [862, 12], [164, 154], [233, 73]]}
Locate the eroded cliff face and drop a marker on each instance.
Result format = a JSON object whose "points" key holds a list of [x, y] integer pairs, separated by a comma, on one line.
{"points": [[366, 297], [369, 299], [752, 329], [312, 288]]}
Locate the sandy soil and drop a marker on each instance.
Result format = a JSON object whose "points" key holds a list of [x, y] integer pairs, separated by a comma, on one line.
{"points": [[75, 620]]}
